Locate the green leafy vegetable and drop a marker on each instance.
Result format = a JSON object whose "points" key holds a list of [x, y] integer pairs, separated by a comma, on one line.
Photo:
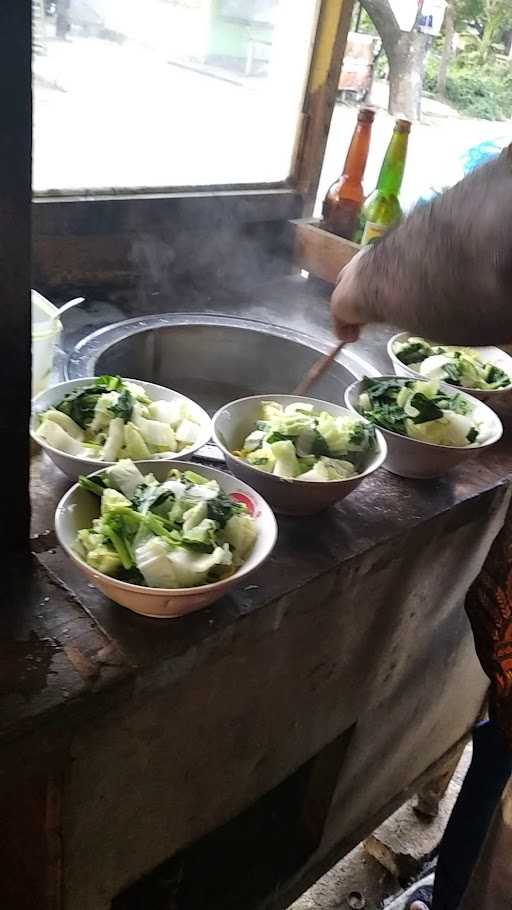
{"points": [[222, 508], [414, 351], [419, 410], [426, 407], [109, 419], [290, 441], [109, 383], [123, 406], [182, 532], [96, 486], [459, 366], [319, 446]]}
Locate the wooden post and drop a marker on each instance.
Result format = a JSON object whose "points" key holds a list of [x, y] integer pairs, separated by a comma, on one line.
{"points": [[329, 48], [15, 200]]}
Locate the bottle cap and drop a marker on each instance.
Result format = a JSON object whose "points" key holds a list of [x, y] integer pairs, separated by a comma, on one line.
{"points": [[366, 114], [402, 125]]}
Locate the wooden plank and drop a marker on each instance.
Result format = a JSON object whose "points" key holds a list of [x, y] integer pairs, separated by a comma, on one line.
{"points": [[15, 180], [319, 252], [53, 655], [329, 48], [124, 214]]}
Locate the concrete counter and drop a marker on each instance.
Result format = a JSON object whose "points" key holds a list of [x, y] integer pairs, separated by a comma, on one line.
{"points": [[233, 755]]}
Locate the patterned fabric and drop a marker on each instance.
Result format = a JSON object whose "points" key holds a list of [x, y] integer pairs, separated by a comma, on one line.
{"points": [[489, 608]]}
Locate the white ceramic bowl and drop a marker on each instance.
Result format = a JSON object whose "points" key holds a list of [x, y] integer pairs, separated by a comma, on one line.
{"points": [[421, 460], [289, 497], [493, 355], [78, 507], [72, 465]]}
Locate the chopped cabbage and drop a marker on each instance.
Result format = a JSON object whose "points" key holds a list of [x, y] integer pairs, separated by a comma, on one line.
{"points": [[187, 432], [297, 442], [270, 409], [449, 430], [94, 415], [67, 424], [204, 491], [263, 458], [182, 532], [104, 559], [254, 440], [201, 533], [134, 444], [58, 438], [458, 366], [240, 534], [287, 463], [152, 561], [155, 434], [171, 412], [194, 516], [137, 391], [330, 469], [163, 566], [114, 440], [125, 477], [113, 500], [421, 411], [103, 411]]}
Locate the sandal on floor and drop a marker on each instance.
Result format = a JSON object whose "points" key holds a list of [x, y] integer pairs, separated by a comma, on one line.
{"points": [[421, 894]]}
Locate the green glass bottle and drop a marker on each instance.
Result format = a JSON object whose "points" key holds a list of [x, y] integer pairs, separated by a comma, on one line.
{"points": [[382, 208]]}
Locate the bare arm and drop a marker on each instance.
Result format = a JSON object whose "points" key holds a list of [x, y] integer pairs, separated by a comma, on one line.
{"points": [[445, 272]]}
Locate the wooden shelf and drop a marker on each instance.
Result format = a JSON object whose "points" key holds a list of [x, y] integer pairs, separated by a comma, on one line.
{"points": [[318, 251]]}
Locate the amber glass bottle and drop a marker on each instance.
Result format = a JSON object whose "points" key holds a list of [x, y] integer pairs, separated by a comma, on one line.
{"points": [[345, 197]]}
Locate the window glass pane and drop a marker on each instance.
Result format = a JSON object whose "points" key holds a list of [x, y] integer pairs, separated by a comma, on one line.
{"points": [[155, 93]]}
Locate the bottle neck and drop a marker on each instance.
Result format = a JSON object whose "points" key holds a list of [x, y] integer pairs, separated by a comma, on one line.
{"points": [[393, 166], [357, 154]]}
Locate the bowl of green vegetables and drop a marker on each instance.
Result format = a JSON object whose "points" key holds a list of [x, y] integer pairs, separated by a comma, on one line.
{"points": [[164, 539], [428, 426], [485, 373], [301, 454], [86, 423]]}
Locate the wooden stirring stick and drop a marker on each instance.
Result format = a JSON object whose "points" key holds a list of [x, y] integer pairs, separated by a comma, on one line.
{"points": [[317, 370]]}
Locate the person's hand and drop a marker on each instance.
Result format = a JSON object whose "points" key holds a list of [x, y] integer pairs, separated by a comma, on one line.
{"points": [[346, 309]]}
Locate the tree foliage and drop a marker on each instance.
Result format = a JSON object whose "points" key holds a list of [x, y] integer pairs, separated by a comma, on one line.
{"points": [[478, 81], [484, 18]]}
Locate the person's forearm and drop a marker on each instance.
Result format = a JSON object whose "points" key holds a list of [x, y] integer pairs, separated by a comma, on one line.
{"points": [[446, 271]]}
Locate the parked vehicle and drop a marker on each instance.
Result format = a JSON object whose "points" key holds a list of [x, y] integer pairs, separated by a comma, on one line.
{"points": [[356, 75]]}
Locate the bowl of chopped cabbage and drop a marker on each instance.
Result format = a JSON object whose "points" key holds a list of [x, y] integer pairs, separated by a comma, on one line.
{"points": [[302, 455], [164, 540], [85, 423], [428, 426], [485, 373]]}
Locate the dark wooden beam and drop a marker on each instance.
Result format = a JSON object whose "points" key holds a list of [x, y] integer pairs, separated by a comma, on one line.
{"points": [[15, 189]]}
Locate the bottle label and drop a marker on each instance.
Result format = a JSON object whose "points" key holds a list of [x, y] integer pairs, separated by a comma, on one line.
{"points": [[373, 231]]}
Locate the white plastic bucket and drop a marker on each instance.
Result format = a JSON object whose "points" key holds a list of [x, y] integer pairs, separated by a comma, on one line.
{"points": [[45, 332]]}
